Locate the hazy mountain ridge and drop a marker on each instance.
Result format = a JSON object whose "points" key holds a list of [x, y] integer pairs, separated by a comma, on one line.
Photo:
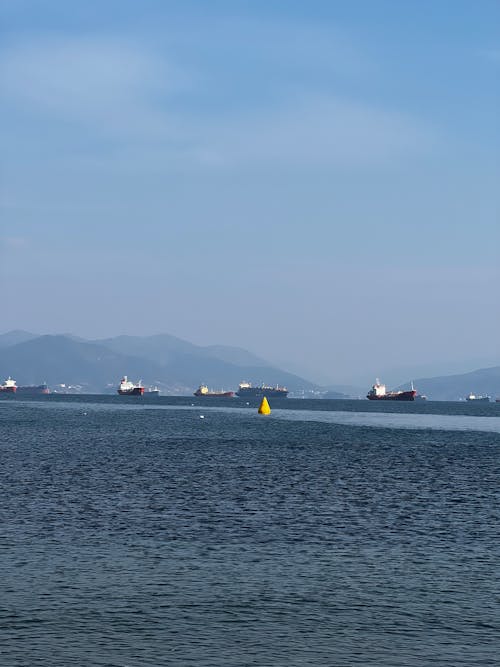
{"points": [[14, 337], [173, 364], [179, 366], [59, 359], [163, 348], [455, 387], [346, 390]]}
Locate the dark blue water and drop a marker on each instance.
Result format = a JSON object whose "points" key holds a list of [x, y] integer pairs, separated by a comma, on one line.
{"points": [[137, 534]]}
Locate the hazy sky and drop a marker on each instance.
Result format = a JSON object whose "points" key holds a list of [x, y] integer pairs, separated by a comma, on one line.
{"points": [[317, 182]]}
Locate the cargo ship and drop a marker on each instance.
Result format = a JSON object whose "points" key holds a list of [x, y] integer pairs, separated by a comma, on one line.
{"points": [[9, 386], [127, 388], [33, 390], [246, 390], [379, 393], [203, 390], [152, 391], [481, 399]]}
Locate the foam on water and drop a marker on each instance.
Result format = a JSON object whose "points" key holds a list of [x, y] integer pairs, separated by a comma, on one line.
{"points": [[395, 421], [391, 420]]}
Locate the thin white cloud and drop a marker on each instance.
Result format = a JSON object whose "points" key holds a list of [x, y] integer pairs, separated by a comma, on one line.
{"points": [[115, 90], [492, 55], [317, 131], [13, 242], [104, 84]]}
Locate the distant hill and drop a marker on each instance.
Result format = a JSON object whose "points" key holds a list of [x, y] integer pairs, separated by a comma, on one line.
{"points": [[335, 395], [173, 364], [235, 355], [15, 337], [347, 391], [59, 359], [456, 387], [219, 366], [163, 348]]}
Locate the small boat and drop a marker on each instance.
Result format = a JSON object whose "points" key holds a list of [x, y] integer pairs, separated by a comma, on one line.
{"points": [[127, 388], [204, 391]]}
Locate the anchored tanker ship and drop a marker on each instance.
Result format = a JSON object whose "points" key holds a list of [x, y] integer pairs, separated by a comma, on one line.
{"points": [[10, 387], [128, 388], [203, 390], [481, 399], [378, 393], [245, 390]]}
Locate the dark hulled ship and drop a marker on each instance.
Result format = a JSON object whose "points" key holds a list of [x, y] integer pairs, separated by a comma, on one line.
{"points": [[246, 390], [33, 390], [204, 391]]}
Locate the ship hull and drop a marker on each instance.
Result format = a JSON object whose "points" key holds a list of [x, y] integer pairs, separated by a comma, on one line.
{"points": [[41, 390], [394, 396], [214, 394], [8, 390], [136, 391]]}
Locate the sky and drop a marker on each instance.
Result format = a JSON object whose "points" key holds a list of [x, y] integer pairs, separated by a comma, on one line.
{"points": [[315, 182]]}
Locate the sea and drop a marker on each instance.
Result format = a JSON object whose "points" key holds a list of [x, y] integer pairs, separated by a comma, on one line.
{"points": [[139, 532]]}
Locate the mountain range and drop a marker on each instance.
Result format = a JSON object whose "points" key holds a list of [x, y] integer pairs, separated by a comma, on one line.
{"points": [[485, 381], [178, 366], [175, 365]]}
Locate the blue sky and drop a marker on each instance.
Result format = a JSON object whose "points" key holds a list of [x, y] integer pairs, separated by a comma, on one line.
{"points": [[316, 182]]}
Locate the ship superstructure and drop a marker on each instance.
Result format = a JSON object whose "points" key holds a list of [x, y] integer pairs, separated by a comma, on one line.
{"points": [[9, 386]]}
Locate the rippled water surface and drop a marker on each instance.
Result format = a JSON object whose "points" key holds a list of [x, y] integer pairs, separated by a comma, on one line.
{"points": [[140, 534]]}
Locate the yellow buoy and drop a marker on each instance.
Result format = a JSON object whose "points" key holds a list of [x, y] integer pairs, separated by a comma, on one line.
{"points": [[264, 408]]}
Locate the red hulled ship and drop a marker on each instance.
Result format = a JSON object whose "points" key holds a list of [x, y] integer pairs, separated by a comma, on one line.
{"points": [[378, 393]]}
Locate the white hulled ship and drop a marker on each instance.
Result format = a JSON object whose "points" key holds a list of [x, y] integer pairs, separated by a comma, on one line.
{"points": [[127, 388]]}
